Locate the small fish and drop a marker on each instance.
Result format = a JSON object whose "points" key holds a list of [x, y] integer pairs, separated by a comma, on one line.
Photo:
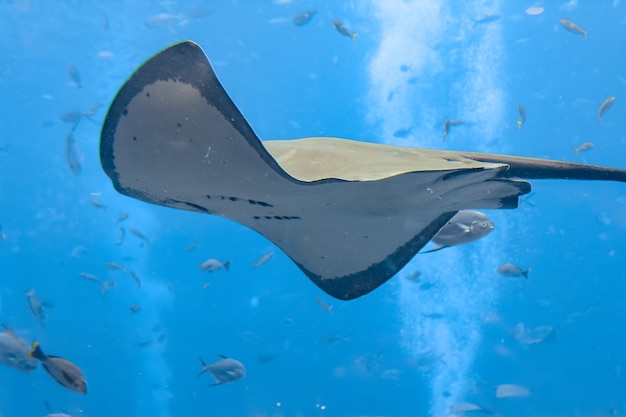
{"points": [[522, 116], [263, 259], [98, 204], [511, 390], [224, 370], [139, 235], [464, 407], [134, 308], [464, 227], [434, 316], [107, 285], [115, 267], [75, 116], [323, 305], [89, 277], [121, 236], [37, 307], [303, 18], [511, 270], [164, 19], [14, 352], [583, 147], [427, 286], [606, 104], [135, 278], [342, 29], [72, 155], [333, 339], [573, 27], [447, 124], [529, 336], [212, 265], [121, 217], [414, 276], [487, 19], [191, 247], [61, 370], [72, 71]]}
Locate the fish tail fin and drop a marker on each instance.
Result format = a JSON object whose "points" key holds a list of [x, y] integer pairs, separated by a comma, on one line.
{"points": [[36, 352], [352, 36], [227, 265], [519, 125], [576, 150], [203, 367], [525, 273], [585, 34]]}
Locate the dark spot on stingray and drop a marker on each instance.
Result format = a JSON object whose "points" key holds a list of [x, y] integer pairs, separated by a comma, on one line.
{"points": [[147, 94], [233, 198], [125, 112], [179, 125], [278, 217], [256, 217], [135, 138], [268, 217]]}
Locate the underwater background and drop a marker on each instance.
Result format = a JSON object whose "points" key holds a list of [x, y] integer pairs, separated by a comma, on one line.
{"points": [[418, 345]]}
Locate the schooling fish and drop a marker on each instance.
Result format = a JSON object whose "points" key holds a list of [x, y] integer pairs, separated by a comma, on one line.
{"points": [[583, 147], [573, 27], [37, 306], [212, 265], [342, 29], [447, 124], [606, 104], [464, 227], [224, 370], [522, 116], [303, 18], [61, 370], [72, 71], [511, 270]]}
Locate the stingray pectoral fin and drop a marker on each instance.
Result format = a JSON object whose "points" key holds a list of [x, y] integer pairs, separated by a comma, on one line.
{"points": [[350, 221]]}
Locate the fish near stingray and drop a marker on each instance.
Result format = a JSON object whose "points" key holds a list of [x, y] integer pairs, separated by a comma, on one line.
{"points": [[61, 370], [340, 209], [14, 352], [224, 370], [466, 226]]}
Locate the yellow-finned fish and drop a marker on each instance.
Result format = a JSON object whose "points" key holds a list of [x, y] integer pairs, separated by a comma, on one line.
{"points": [[342, 29], [63, 371]]}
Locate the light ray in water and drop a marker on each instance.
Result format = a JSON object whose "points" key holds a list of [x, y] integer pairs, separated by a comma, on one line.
{"points": [[444, 348]]}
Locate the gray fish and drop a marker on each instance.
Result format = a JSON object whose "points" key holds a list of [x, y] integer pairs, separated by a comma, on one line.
{"points": [[573, 27], [212, 265], [14, 352], [522, 116], [606, 104], [447, 124], [72, 155], [61, 370], [486, 19], [583, 147], [37, 306], [530, 336], [263, 259], [74, 75], [464, 227], [139, 235], [224, 370], [342, 29], [303, 18], [511, 270]]}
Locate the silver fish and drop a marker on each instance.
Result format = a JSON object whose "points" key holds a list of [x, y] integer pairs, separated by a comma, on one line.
{"points": [[224, 370], [573, 27], [63, 371], [511, 270], [464, 227], [583, 147], [606, 104], [37, 306], [263, 259], [14, 352], [533, 336], [212, 265]]}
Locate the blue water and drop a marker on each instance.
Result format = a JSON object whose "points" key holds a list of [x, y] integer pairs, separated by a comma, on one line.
{"points": [[413, 65]]}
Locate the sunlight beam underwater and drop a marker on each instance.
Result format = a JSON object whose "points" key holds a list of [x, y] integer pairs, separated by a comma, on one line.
{"points": [[350, 214]]}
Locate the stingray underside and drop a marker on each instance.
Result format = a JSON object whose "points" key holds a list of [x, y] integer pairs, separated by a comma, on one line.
{"points": [[350, 221]]}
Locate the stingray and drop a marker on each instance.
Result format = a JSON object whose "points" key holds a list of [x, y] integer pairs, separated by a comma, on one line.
{"points": [[349, 214]]}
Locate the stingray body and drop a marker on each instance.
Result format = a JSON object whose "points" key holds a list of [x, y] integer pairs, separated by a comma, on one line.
{"points": [[350, 214]]}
